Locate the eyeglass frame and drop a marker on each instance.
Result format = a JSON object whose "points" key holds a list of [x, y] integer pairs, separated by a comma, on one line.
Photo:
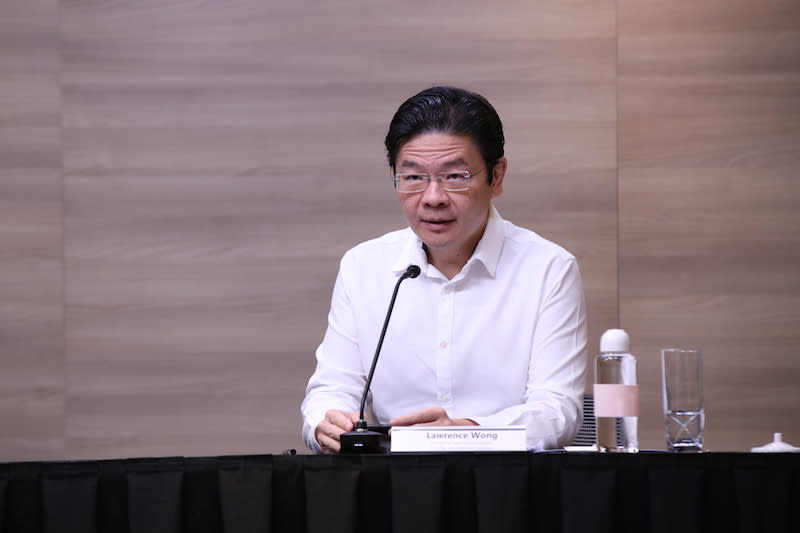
{"points": [[440, 177]]}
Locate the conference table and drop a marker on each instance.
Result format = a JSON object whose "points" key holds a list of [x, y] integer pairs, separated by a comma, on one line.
{"points": [[407, 493]]}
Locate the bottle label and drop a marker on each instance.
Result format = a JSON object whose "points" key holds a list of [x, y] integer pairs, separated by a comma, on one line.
{"points": [[616, 400]]}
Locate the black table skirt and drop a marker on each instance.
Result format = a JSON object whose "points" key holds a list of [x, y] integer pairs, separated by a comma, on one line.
{"points": [[415, 493]]}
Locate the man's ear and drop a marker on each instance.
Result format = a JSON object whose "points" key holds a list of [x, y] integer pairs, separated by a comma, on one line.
{"points": [[498, 173]]}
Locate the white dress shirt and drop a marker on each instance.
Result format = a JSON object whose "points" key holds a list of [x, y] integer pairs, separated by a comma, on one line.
{"points": [[502, 343]]}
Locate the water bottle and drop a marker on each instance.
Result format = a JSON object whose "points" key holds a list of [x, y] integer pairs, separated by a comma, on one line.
{"points": [[616, 394]]}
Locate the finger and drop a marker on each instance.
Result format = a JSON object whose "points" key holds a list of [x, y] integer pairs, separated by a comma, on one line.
{"points": [[329, 437], [423, 416], [327, 432], [327, 446], [434, 416], [340, 420], [330, 445]]}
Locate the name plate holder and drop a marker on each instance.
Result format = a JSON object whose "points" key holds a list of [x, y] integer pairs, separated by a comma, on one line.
{"points": [[458, 439]]}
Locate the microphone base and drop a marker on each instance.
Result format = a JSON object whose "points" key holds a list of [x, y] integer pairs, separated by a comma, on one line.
{"points": [[364, 442]]}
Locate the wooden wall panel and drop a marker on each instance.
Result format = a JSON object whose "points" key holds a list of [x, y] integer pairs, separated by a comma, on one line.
{"points": [[31, 289], [562, 177], [219, 159], [709, 107]]}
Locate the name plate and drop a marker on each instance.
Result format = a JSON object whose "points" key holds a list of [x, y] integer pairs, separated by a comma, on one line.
{"points": [[458, 439]]}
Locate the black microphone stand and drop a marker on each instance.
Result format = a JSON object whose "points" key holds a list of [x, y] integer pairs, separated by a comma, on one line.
{"points": [[363, 439]]}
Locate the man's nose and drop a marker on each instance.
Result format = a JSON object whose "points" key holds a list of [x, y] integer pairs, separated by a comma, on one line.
{"points": [[434, 193]]}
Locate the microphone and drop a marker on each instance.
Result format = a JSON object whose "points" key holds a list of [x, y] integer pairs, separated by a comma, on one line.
{"points": [[362, 439]]}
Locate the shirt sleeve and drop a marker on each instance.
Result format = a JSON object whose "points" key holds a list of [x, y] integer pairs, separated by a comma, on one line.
{"points": [[338, 380], [552, 407]]}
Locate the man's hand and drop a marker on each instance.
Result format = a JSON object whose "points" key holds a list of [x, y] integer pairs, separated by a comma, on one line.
{"points": [[332, 426], [433, 416]]}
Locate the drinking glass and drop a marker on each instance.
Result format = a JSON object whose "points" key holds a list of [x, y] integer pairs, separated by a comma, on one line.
{"points": [[682, 386]]}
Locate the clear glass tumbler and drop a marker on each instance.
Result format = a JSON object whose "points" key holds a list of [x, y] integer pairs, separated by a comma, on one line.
{"points": [[682, 386]]}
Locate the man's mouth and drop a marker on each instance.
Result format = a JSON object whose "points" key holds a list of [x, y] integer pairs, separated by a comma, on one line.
{"points": [[437, 225]]}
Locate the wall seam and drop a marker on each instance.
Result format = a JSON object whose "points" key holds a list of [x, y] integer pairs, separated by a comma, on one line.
{"points": [[64, 358], [616, 154]]}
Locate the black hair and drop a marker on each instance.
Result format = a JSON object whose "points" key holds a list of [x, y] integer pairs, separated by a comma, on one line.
{"points": [[452, 111]]}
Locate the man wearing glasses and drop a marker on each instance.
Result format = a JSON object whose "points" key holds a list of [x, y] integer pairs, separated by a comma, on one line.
{"points": [[492, 332]]}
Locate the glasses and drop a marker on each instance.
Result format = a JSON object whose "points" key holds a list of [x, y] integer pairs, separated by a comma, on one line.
{"points": [[451, 181]]}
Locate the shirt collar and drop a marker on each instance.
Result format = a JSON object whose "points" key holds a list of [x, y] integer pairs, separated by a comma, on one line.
{"points": [[412, 254], [487, 252]]}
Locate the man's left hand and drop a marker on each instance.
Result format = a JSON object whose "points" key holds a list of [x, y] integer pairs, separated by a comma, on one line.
{"points": [[433, 416]]}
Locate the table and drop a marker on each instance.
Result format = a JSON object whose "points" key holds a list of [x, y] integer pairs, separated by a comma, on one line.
{"points": [[407, 493]]}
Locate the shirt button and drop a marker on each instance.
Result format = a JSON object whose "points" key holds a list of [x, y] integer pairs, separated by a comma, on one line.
{"points": [[448, 289], [444, 397], [443, 344]]}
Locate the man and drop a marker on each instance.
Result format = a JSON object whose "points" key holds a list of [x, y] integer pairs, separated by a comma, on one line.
{"points": [[492, 332]]}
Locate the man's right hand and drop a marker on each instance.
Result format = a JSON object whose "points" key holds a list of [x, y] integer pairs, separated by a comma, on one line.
{"points": [[332, 426]]}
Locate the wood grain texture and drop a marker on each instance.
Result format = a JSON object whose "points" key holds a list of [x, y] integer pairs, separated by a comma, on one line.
{"points": [[220, 159], [31, 251], [29, 43], [217, 160], [709, 106], [31, 296]]}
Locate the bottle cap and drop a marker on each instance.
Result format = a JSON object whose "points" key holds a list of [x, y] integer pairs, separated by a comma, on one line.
{"points": [[615, 340], [776, 446]]}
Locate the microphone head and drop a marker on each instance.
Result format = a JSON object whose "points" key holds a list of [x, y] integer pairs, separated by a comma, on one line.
{"points": [[413, 271]]}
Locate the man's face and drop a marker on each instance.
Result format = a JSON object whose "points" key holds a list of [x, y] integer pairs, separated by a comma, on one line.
{"points": [[449, 223]]}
